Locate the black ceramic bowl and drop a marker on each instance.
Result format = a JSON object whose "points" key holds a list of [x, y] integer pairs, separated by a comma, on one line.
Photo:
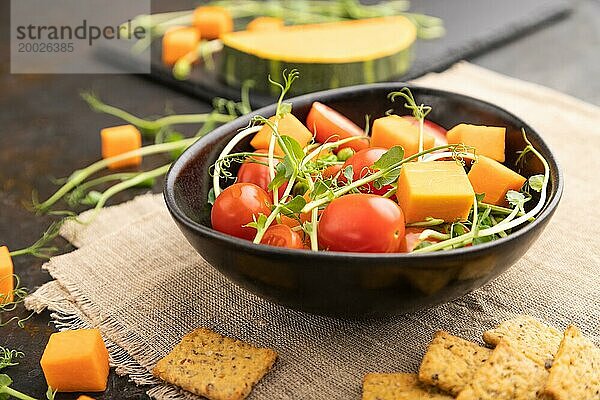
{"points": [[355, 284]]}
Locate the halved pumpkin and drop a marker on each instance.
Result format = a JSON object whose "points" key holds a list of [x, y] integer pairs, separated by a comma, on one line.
{"points": [[327, 55]]}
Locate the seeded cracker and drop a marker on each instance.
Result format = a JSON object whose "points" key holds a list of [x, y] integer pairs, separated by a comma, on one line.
{"points": [[507, 375], [529, 336], [575, 373], [399, 387], [451, 362], [216, 367]]}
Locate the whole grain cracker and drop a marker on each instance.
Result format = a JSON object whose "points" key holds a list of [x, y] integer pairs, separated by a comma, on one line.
{"points": [[214, 366], [575, 373], [507, 375], [399, 386], [536, 340], [451, 362]]}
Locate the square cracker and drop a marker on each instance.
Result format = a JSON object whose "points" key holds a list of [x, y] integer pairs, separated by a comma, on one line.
{"points": [[214, 366], [507, 375], [529, 336], [450, 362], [399, 387], [575, 373]]}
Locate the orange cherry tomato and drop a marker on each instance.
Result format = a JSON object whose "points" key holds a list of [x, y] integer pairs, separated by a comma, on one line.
{"points": [[362, 223], [431, 128], [281, 235], [362, 163], [238, 205], [329, 125]]}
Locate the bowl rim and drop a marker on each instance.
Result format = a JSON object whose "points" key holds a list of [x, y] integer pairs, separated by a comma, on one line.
{"points": [[190, 153]]}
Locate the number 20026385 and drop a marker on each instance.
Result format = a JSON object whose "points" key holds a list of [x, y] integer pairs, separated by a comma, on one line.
{"points": [[45, 47]]}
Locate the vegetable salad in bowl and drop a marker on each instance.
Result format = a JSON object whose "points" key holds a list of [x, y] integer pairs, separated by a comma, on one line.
{"points": [[403, 184]]}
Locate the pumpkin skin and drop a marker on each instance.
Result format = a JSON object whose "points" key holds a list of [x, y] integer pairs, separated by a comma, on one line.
{"points": [[340, 54]]}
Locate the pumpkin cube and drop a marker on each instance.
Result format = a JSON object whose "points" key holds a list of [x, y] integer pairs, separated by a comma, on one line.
{"points": [[212, 21], [265, 24], [289, 125], [494, 179], [177, 42], [76, 361], [394, 130], [120, 139], [7, 282], [84, 397], [437, 189], [487, 140]]}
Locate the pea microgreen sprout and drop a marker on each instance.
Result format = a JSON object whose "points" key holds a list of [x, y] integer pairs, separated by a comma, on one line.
{"points": [[420, 112], [297, 12], [18, 296], [41, 248], [6, 392], [151, 127], [8, 357], [81, 175], [204, 50]]}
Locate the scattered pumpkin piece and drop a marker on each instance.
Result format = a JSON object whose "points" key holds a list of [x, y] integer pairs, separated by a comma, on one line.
{"points": [[177, 42], [487, 140], [438, 189], [84, 397], [287, 126], [265, 24], [118, 140], [394, 130], [212, 21], [76, 361], [7, 283], [494, 179]]}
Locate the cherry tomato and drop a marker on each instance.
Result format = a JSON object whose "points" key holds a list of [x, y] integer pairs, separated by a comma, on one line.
{"points": [[253, 172], [281, 235], [361, 223], [238, 205], [361, 164], [432, 128], [329, 125], [289, 221]]}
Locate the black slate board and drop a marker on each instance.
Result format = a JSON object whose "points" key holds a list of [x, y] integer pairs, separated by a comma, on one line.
{"points": [[473, 26]]}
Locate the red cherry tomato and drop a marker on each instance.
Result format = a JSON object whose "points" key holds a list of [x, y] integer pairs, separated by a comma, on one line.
{"points": [[253, 172], [361, 163], [291, 222], [361, 223], [432, 128], [281, 235], [238, 205], [329, 125]]}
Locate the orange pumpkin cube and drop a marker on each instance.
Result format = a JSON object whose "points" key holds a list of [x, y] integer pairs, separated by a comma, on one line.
{"points": [[7, 282], [265, 24], [437, 189], [177, 42], [76, 361], [84, 397], [394, 130], [487, 140], [212, 21], [120, 139], [287, 126], [494, 179]]}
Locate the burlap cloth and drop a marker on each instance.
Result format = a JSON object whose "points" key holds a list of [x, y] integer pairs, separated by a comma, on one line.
{"points": [[136, 278]]}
